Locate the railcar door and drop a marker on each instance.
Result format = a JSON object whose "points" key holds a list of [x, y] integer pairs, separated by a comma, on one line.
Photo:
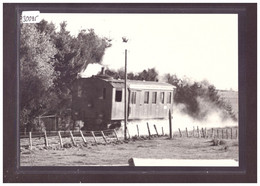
{"points": [[118, 104], [134, 104]]}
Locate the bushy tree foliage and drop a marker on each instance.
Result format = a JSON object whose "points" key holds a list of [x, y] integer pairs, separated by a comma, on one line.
{"points": [[46, 28], [73, 56], [147, 75], [36, 72], [199, 98], [50, 61]]}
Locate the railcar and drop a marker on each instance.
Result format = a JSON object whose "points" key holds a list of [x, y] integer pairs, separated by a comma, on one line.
{"points": [[98, 101]]}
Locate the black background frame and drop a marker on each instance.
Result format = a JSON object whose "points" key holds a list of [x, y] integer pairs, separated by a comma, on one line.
{"points": [[245, 173]]}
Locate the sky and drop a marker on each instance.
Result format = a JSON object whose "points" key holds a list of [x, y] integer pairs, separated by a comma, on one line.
{"points": [[197, 46]]}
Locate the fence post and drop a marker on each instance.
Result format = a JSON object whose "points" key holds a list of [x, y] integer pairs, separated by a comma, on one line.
{"points": [[227, 133], [231, 135], [187, 133], [156, 130], [213, 135], [222, 133], [46, 139], [205, 131], [162, 131], [30, 140], [92, 133], [82, 136], [170, 124], [137, 130], [61, 144], [236, 133], [180, 132], [193, 132], [104, 137], [217, 134], [72, 138], [116, 134], [202, 133], [198, 130], [148, 129]]}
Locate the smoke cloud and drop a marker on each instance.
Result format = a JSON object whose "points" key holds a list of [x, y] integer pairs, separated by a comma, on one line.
{"points": [[180, 120]]}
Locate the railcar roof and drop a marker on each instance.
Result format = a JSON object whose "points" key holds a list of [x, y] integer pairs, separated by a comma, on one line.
{"points": [[138, 84]]}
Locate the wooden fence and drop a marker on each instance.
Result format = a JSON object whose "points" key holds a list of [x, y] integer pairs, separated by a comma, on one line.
{"points": [[221, 133], [107, 135], [96, 135]]}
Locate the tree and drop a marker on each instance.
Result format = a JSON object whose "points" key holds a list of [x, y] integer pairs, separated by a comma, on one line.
{"points": [[73, 56], [46, 28], [50, 61], [36, 73], [147, 75]]}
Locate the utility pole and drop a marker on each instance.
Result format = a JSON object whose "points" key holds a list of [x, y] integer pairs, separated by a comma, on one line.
{"points": [[125, 93], [125, 109]]}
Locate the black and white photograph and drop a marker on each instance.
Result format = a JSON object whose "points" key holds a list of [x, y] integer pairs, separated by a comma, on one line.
{"points": [[180, 91], [122, 89]]}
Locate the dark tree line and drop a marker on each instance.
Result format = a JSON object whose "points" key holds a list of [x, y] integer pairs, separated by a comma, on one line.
{"points": [[50, 61], [147, 75]]}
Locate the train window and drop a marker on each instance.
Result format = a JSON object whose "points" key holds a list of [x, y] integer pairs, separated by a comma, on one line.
{"points": [[146, 97], [154, 97], [133, 98], [79, 91], [162, 97], [118, 95], [169, 97]]}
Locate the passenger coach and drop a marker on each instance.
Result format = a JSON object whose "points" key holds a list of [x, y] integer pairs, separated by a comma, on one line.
{"points": [[99, 101]]}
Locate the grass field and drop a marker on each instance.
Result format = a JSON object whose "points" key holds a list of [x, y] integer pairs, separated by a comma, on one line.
{"points": [[119, 152]]}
